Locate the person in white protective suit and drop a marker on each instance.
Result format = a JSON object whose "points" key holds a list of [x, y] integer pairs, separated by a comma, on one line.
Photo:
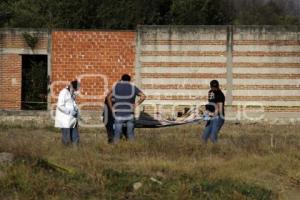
{"points": [[67, 114]]}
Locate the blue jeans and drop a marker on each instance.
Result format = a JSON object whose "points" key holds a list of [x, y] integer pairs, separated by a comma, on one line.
{"points": [[119, 126], [70, 135], [212, 129]]}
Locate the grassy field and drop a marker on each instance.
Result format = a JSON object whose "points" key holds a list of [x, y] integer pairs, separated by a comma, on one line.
{"points": [[251, 161]]}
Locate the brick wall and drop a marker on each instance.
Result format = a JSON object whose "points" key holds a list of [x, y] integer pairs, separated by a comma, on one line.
{"points": [[255, 65], [12, 46], [96, 58], [10, 84]]}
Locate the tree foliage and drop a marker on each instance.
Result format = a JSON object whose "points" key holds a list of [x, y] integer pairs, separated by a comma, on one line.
{"points": [[270, 13], [126, 14], [193, 12]]}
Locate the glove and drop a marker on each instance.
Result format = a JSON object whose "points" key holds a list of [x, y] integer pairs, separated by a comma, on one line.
{"points": [[74, 113], [206, 117]]}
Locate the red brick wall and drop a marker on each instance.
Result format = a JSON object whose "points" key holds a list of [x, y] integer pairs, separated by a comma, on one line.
{"points": [[11, 64], [94, 57], [11, 80]]}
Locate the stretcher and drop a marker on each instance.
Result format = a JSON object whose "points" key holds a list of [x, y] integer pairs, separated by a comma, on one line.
{"points": [[157, 121]]}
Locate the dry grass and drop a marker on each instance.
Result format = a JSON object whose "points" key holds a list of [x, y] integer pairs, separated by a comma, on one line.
{"points": [[250, 162]]}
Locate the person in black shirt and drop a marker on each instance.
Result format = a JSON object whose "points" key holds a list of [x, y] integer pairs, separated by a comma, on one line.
{"points": [[215, 109]]}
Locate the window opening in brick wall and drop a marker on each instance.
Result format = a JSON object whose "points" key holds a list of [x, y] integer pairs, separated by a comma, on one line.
{"points": [[34, 82]]}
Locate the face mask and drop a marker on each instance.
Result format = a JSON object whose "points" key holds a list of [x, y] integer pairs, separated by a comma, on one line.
{"points": [[76, 93]]}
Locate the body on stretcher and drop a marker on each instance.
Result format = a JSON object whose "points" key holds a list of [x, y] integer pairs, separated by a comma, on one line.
{"points": [[147, 121]]}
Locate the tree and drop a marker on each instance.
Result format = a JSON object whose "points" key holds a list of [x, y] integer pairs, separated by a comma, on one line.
{"points": [[266, 14], [127, 14]]}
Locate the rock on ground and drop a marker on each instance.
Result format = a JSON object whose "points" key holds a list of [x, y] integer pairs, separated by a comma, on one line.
{"points": [[6, 158]]}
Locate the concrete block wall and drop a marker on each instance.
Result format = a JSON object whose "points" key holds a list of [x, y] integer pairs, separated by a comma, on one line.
{"points": [[96, 58], [12, 47], [266, 67], [176, 64], [256, 66]]}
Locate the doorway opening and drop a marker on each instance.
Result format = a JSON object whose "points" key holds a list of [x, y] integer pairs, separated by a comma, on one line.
{"points": [[34, 82]]}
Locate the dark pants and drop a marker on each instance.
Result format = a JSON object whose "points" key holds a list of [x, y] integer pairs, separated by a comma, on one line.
{"points": [[70, 135], [110, 130], [109, 121]]}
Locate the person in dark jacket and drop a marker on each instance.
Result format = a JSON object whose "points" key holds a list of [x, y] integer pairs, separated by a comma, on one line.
{"points": [[109, 121], [124, 94]]}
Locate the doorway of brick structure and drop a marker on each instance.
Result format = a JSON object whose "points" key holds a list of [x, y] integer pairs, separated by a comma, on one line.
{"points": [[34, 82]]}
